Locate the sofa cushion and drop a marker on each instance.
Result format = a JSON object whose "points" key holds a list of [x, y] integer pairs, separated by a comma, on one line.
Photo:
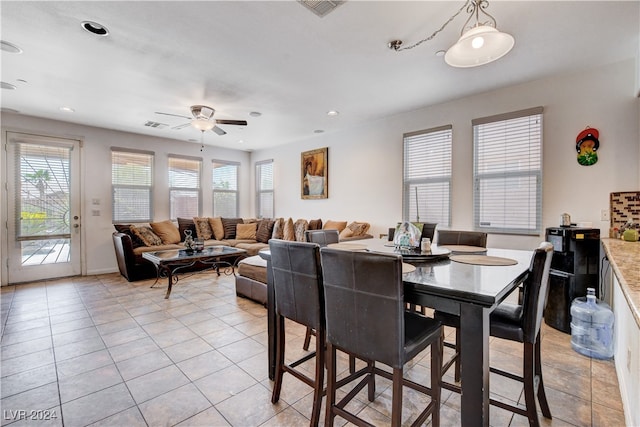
{"points": [[246, 231], [289, 231], [203, 229], [167, 231], [265, 230], [252, 248], [146, 234], [186, 224], [315, 224], [278, 229], [299, 227], [229, 225], [358, 228], [335, 225], [216, 227]]}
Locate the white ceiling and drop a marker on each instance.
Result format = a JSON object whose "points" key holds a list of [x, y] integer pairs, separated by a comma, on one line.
{"points": [[278, 58]]}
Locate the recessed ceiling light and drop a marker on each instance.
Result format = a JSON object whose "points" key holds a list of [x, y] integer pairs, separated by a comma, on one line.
{"points": [[9, 47], [67, 109], [95, 28], [240, 141], [332, 113], [6, 85], [318, 131], [440, 53], [23, 81], [255, 114]]}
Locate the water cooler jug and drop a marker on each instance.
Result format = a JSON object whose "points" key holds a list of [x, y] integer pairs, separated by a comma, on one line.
{"points": [[592, 327]]}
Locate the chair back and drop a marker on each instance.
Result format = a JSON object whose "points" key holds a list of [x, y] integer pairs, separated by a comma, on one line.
{"points": [[428, 230], [467, 238], [297, 281], [364, 304], [322, 237], [535, 289]]}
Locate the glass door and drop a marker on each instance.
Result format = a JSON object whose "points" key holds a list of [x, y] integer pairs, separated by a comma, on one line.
{"points": [[43, 207]]}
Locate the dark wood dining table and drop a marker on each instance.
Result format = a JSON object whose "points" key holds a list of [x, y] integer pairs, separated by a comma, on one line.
{"points": [[467, 290]]}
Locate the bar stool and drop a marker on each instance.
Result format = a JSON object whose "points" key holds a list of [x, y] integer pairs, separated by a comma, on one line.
{"points": [[366, 316]]}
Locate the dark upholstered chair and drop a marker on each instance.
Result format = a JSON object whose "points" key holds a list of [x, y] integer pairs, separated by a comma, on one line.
{"points": [[322, 237], [521, 323], [466, 238], [297, 281], [366, 316]]}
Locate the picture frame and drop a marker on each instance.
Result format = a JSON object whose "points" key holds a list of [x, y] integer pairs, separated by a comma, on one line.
{"points": [[314, 176]]}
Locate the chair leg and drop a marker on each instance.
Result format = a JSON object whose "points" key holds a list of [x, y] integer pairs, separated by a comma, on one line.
{"points": [[307, 339], [542, 396], [457, 362], [436, 378], [396, 399], [319, 385], [277, 387], [331, 386], [529, 384], [372, 381]]}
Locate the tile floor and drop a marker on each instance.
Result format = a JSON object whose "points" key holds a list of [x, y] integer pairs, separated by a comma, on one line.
{"points": [[101, 351]]}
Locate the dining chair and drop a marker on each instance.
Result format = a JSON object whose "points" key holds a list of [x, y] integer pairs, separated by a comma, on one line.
{"points": [[521, 323], [366, 316], [297, 281], [466, 238]]}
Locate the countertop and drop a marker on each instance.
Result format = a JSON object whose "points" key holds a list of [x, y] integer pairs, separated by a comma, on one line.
{"points": [[624, 258]]}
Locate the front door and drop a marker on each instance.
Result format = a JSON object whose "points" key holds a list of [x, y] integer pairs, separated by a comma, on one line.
{"points": [[43, 207]]}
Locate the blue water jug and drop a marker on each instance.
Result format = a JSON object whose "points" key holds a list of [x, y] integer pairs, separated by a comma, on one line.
{"points": [[592, 326]]}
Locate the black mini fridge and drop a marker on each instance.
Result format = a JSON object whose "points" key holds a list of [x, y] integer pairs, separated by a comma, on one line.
{"points": [[574, 268]]}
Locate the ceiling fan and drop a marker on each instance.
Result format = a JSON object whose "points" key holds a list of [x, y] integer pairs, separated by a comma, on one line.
{"points": [[203, 120]]}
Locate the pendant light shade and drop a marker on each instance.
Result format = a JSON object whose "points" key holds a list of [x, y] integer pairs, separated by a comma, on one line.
{"points": [[478, 46]]}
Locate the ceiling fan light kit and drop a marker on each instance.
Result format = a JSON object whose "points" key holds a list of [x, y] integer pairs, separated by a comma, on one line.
{"points": [[479, 43], [202, 124]]}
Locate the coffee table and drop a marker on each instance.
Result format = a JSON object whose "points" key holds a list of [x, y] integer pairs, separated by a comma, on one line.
{"points": [[171, 262]]}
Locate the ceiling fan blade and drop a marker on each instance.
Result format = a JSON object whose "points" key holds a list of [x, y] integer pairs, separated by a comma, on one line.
{"points": [[232, 122], [175, 115], [182, 126], [219, 131]]}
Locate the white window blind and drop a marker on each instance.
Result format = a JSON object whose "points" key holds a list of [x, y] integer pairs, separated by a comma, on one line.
{"points": [[184, 186], [508, 172], [427, 176], [131, 181], [225, 188], [264, 189]]}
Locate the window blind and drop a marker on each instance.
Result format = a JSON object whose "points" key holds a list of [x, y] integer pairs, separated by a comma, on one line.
{"points": [[131, 181], [427, 176], [264, 189], [508, 172], [225, 188], [184, 186]]}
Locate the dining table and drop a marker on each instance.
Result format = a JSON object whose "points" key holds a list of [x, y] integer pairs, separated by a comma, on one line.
{"points": [[470, 290]]}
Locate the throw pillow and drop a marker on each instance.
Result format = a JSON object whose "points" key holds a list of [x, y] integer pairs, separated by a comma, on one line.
{"points": [[146, 234], [186, 224], [289, 232], [217, 228], [335, 225], [249, 220], [265, 230], [299, 227], [203, 229], [315, 224], [359, 228], [347, 232], [278, 229], [167, 231], [246, 231], [229, 225], [126, 229]]}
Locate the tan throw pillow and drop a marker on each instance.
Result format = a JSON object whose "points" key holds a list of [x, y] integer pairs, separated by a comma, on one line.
{"points": [[278, 229], [289, 232], [217, 228], [299, 227], [335, 225], [146, 234], [246, 231], [358, 228], [203, 229], [347, 232], [167, 231]]}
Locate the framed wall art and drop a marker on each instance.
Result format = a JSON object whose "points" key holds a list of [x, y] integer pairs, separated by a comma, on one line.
{"points": [[315, 174]]}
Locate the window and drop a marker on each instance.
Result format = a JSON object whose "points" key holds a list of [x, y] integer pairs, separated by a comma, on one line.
{"points": [[184, 186], [225, 188], [264, 189], [507, 172], [427, 176], [131, 181]]}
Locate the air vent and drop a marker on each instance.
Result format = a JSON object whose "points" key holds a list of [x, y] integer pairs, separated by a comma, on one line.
{"points": [[155, 125], [321, 7]]}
